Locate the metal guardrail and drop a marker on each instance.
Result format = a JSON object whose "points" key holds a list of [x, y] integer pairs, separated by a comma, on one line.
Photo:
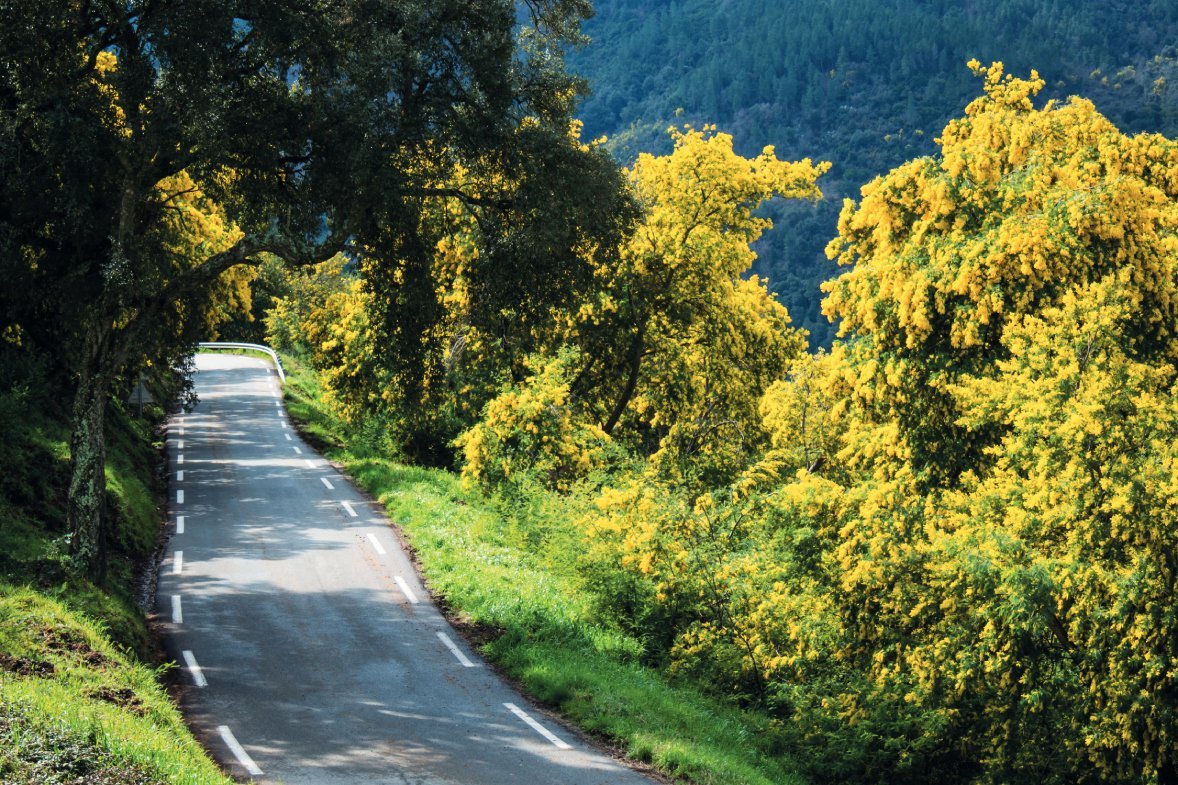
{"points": [[257, 347]]}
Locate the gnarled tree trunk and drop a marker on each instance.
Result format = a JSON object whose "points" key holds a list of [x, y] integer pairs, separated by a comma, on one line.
{"points": [[87, 494]]}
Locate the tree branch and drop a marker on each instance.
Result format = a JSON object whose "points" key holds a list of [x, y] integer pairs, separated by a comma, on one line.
{"points": [[242, 251], [500, 203]]}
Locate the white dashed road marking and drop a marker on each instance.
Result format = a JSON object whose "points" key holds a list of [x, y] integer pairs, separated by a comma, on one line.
{"points": [[376, 544], [351, 511], [238, 751], [523, 715], [327, 482], [198, 677], [404, 587], [466, 663]]}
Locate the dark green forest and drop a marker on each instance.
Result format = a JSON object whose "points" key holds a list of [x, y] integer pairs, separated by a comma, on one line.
{"points": [[865, 84]]}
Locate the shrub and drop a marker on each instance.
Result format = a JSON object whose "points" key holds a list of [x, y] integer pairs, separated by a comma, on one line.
{"points": [[533, 428]]}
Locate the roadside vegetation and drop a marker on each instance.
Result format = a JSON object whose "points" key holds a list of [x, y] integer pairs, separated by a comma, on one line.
{"points": [[81, 695], [943, 550], [76, 707]]}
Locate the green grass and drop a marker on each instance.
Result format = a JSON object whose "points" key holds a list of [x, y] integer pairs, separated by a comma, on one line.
{"points": [[511, 581], [34, 545], [304, 402], [72, 704]]}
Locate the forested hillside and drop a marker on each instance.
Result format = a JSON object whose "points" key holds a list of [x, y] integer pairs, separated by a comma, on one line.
{"points": [[865, 84]]}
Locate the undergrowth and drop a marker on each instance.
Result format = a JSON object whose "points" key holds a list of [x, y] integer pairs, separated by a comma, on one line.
{"points": [[75, 708]]}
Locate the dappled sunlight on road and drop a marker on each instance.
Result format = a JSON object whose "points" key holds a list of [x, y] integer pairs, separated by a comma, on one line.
{"points": [[308, 622]]}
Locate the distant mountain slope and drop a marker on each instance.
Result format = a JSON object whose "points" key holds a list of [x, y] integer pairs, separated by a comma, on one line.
{"points": [[866, 84]]}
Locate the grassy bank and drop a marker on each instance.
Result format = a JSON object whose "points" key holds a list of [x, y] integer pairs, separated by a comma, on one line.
{"points": [[34, 542], [508, 573], [79, 696], [74, 707]]}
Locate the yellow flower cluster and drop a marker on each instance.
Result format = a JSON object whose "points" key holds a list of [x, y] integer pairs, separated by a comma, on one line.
{"points": [[530, 431]]}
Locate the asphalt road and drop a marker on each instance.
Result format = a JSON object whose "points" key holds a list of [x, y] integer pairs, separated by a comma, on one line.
{"points": [[311, 652]]}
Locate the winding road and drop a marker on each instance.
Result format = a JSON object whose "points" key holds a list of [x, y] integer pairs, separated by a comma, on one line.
{"points": [[310, 650]]}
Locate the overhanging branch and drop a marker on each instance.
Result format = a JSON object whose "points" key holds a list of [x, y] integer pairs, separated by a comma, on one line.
{"points": [[244, 251], [498, 203]]}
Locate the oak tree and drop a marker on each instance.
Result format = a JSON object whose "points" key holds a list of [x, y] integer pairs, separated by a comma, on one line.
{"points": [[316, 126]]}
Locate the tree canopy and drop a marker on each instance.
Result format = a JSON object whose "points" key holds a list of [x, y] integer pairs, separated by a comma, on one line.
{"points": [[312, 127]]}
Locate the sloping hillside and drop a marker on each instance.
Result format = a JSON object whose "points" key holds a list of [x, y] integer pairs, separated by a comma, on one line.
{"points": [[865, 84]]}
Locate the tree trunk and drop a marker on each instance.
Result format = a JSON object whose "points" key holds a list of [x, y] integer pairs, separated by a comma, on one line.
{"points": [[635, 363], [87, 496]]}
